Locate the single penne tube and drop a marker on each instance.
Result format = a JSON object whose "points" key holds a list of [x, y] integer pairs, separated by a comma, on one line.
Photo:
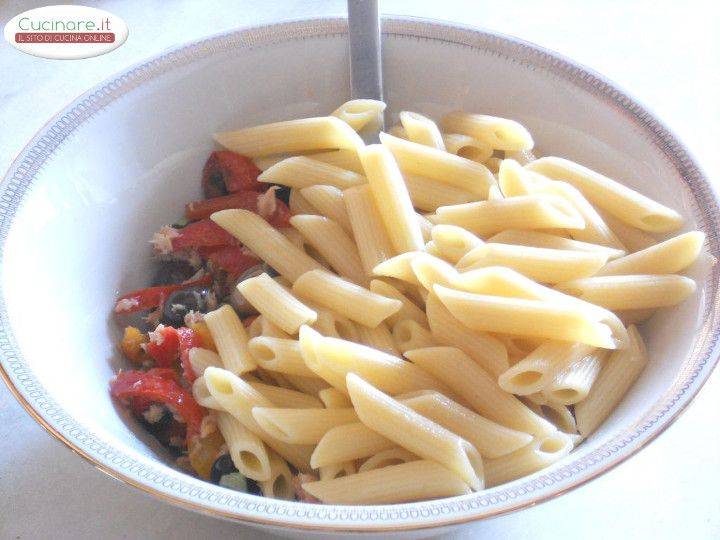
{"points": [[230, 338], [560, 416], [333, 398], [238, 398], [331, 324], [360, 113], [291, 137], [414, 432], [623, 202], [279, 485], [544, 240], [668, 257], [275, 303], [391, 198], [618, 374], [487, 351], [346, 298], [454, 368], [430, 270], [301, 171], [498, 133], [389, 485], [379, 338], [573, 381], [265, 162], [345, 159], [454, 242], [427, 194], [333, 243], [466, 147], [399, 267], [518, 316], [287, 398], [432, 163], [329, 202], [531, 374], [270, 329], [200, 359], [632, 238], [298, 204], [280, 355], [539, 454], [409, 335], [301, 426], [387, 458], [372, 240], [635, 316], [348, 442], [389, 373], [502, 281], [514, 180], [486, 218], [337, 470], [432, 249], [491, 440], [247, 451], [409, 310], [631, 292], [523, 157], [421, 130], [545, 265], [309, 342], [202, 395], [266, 242]]}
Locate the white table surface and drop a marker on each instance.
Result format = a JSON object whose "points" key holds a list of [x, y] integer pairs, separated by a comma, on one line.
{"points": [[666, 53]]}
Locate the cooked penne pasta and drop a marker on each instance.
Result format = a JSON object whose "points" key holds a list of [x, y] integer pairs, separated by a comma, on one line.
{"points": [[345, 159], [391, 198], [399, 267], [300, 172], [329, 202], [336, 247], [668, 257], [292, 136], [514, 180], [203, 358], [337, 470], [409, 310], [360, 113], [454, 242], [409, 335], [307, 385], [379, 338], [279, 485], [269, 329], [301, 426], [494, 193], [454, 368], [545, 240], [247, 451], [631, 292], [309, 342], [397, 131], [331, 324], [573, 381], [431, 249], [387, 458], [266, 242], [425, 227], [540, 264], [230, 338], [202, 395], [393, 484], [491, 440], [348, 442], [624, 203], [498, 133], [333, 398], [618, 374], [466, 147], [372, 240], [635, 316], [485, 218], [632, 238], [493, 165], [414, 432], [421, 130], [348, 299], [276, 304], [431, 270], [280, 355], [432, 163], [427, 194], [523, 157], [487, 351], [287, 398], [541, 453], [298, 204], [560, 416]]}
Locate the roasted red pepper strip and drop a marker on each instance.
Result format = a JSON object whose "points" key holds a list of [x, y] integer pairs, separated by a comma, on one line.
{"points": [[154, 388], [244, 200], [205, 233], [164, 346], [234, 260], [188, 339], [228, 172], [152, 296]]}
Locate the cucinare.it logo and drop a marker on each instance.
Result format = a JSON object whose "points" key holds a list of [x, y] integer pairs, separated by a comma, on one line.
{"points": [[66, 32]]}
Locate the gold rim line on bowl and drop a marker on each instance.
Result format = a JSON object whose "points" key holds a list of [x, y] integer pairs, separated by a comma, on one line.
{"points": [[630, 440]]}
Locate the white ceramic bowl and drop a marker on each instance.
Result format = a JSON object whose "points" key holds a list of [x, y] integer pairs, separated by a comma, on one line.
{"points": [[80, 202]]}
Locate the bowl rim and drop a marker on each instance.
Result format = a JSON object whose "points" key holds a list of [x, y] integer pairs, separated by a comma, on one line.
{"points": [[177, 488]]}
